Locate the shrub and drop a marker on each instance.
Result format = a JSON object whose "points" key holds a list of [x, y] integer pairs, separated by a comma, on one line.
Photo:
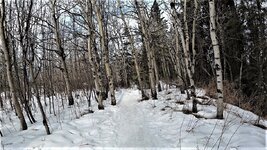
{"points": [[236, 97]]}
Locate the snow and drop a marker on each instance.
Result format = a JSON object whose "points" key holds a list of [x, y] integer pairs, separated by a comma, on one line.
{"points": [[152, 124]]}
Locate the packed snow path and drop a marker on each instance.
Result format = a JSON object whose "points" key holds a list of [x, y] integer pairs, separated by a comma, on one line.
{"points": [[131, 124], [128, 124], [133, 127]]}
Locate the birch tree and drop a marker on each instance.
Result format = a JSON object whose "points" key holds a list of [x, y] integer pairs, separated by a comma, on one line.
{"points": [[218, 66], [7, 55], [155, 30], [104, 47], [144, 28], [185, 45], [94, 65], [60, 50]]}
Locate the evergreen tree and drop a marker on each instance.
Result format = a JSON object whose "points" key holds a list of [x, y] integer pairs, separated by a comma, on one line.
{"points": [[254, 80]]}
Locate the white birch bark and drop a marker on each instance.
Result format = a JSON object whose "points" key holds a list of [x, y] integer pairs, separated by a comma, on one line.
{"points": [[218, 66], [92, 56], [143, 22], [5, 48], [178, 61], [103, 43], [185, 45]]}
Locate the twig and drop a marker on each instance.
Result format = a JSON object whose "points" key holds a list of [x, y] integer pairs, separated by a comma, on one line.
{"points": [[180, 139], [232, 136], [210, 135]]}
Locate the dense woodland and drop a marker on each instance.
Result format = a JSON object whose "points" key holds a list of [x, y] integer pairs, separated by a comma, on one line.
{"points": [[61, 46]]}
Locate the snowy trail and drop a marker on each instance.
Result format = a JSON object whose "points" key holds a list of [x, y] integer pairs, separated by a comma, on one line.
{"points": [[128, 124], [133, 124]]}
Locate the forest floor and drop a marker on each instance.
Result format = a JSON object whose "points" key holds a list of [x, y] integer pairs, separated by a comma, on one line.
{"points": [[131, 124]]}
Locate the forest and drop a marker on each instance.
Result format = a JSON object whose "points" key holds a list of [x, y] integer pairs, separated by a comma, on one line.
{"points": [[65, 60]]}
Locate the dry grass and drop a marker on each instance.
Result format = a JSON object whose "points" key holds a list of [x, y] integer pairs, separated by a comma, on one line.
{"points": [[231, 95]]}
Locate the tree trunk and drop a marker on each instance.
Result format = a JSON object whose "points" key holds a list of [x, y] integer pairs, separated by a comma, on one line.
{"points": [[36, 91], [185, 45], [92, 58], [144, 28], [3, 44], [156, 72], [177, 56], [24, 31], [60, 52], [194, 36], [1, 102], [104, 47], [125, 75], [191, 62], [39, 99], [218, 66]]}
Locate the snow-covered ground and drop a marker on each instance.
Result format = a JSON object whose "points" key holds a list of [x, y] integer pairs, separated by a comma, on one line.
{"points": [[152, 124]]}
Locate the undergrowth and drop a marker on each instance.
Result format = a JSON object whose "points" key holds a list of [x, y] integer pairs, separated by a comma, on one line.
{"points": [[234, 96]]}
